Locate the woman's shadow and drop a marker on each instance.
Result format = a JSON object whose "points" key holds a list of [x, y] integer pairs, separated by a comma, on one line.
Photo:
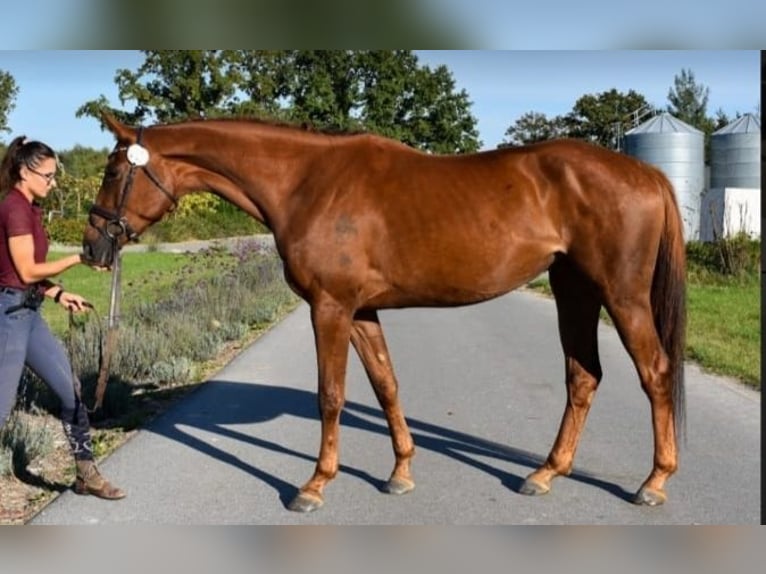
{"points": [[261, 403]]}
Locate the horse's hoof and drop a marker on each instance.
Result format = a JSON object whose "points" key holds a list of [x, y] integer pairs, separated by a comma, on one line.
{"points": [[305, 503], [398, 486], [649, 497], [533, 488]]}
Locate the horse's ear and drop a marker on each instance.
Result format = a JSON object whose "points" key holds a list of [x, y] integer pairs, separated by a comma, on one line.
{"points": [[120, 130]]}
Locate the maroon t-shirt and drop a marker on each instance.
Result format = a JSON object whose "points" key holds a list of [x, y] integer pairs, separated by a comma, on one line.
{"points": [[19, 217]]}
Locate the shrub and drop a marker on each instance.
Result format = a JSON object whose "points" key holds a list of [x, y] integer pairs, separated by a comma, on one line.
{"points": [[733, 256], [159, 342], [67, 231], [23, 439], [208, 225], [185, 226]]}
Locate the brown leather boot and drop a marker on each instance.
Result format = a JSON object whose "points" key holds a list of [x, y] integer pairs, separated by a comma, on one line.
{"points": [[90, 481]]}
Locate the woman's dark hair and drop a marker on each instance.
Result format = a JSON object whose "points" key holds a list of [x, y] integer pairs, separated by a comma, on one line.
{"points": [[21, 153]]}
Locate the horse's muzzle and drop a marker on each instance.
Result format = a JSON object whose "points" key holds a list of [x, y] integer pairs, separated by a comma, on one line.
{"points": [[98, 249]]}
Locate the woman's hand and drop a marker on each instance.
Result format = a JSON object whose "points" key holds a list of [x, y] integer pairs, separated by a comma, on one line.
{"points": [[73, 302], [85, 260]]}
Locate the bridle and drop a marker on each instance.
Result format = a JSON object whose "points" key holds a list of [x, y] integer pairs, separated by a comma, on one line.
{"points": [[116, 222]]}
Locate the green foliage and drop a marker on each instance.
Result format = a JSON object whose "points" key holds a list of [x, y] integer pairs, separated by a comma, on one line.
{"points": [[688, 100], [533, 127], [163, 340], [603, 118], [72, 196], [724, 306], [178, 311], [382, 91], [22, 440], [8, 92], [198, 217], [65, 231], [198, 204], [737, 256], [595, 117], [724, 325], [223, 222], [83, 162]]}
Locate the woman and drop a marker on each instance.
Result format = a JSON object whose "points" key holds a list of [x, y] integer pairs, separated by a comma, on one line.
{"points": [[27, 174]]}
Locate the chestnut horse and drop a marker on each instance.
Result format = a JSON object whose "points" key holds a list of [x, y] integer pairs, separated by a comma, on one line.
{"points": [[364, 223]]}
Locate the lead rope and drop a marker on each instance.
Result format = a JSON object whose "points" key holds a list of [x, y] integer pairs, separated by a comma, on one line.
{"points": [[112, 326], [108, 343]]}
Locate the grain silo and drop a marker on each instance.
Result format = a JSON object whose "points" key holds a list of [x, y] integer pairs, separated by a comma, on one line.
{"points": [[732, 205], [735, 154], [678, 150]]}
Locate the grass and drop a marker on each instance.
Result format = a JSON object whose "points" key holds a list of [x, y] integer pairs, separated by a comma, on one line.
{"points": [[723, 333], [724, 327]]}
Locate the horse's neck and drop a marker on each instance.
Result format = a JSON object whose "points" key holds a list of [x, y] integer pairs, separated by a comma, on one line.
{"points": [[261, 181]]}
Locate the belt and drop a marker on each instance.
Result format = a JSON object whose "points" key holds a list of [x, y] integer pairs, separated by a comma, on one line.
{"points": [[32, 298]]}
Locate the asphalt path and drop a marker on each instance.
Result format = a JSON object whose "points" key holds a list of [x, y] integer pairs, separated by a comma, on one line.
{"points": [[482, 389]]}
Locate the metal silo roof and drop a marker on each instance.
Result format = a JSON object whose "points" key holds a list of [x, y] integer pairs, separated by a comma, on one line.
{"points": [[747, 124], [663, 123]]}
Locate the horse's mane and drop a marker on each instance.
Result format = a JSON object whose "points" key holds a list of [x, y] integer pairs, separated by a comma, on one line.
{"points": [[306, 127]]}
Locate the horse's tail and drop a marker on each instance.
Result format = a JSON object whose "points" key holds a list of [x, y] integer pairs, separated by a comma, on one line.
{"points": [[669, 300]]}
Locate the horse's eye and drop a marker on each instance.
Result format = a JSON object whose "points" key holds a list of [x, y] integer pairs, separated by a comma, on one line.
{"points": [[111, 173]]}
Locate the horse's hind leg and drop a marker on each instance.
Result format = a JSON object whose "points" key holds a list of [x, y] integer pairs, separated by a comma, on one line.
{"points": [[635, 324], [367, 338], [578, 306]]}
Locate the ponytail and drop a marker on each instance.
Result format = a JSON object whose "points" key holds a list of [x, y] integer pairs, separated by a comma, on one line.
{"points": [[21, 152]]}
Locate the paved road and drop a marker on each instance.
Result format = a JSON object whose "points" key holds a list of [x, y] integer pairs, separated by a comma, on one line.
{"points": [[482, 388]]}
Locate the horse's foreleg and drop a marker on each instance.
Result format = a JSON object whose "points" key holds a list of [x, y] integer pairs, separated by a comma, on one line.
{"points": [[332, 325], [578, 310], [367, 338]]}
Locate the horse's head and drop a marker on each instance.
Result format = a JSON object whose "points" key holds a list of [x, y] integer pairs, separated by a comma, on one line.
{"points": [[136, 192]]}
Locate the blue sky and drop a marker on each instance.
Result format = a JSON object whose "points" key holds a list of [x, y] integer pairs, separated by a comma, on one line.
{"points": [[502, 85]]}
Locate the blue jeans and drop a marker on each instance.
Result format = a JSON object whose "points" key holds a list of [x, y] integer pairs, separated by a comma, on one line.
{"points": [[26, 339]]}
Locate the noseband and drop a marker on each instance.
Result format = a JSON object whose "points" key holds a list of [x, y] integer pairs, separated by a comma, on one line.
{"points": [[116, 222]]}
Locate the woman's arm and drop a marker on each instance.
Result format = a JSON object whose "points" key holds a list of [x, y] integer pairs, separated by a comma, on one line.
{"points": [[22, 249]]}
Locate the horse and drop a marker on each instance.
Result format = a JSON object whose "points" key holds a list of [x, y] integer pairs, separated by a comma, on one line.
{"points": [[364, 223]]}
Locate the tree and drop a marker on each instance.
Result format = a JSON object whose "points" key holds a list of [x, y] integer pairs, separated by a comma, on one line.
{"points": [[173, 85], [439, 119], [688, 101], [385, 92], [83, 161], [534, 127], [601, 118], [8, 92]]}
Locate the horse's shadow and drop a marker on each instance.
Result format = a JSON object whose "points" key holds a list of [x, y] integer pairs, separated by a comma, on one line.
{"points": [[261, 403]]}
